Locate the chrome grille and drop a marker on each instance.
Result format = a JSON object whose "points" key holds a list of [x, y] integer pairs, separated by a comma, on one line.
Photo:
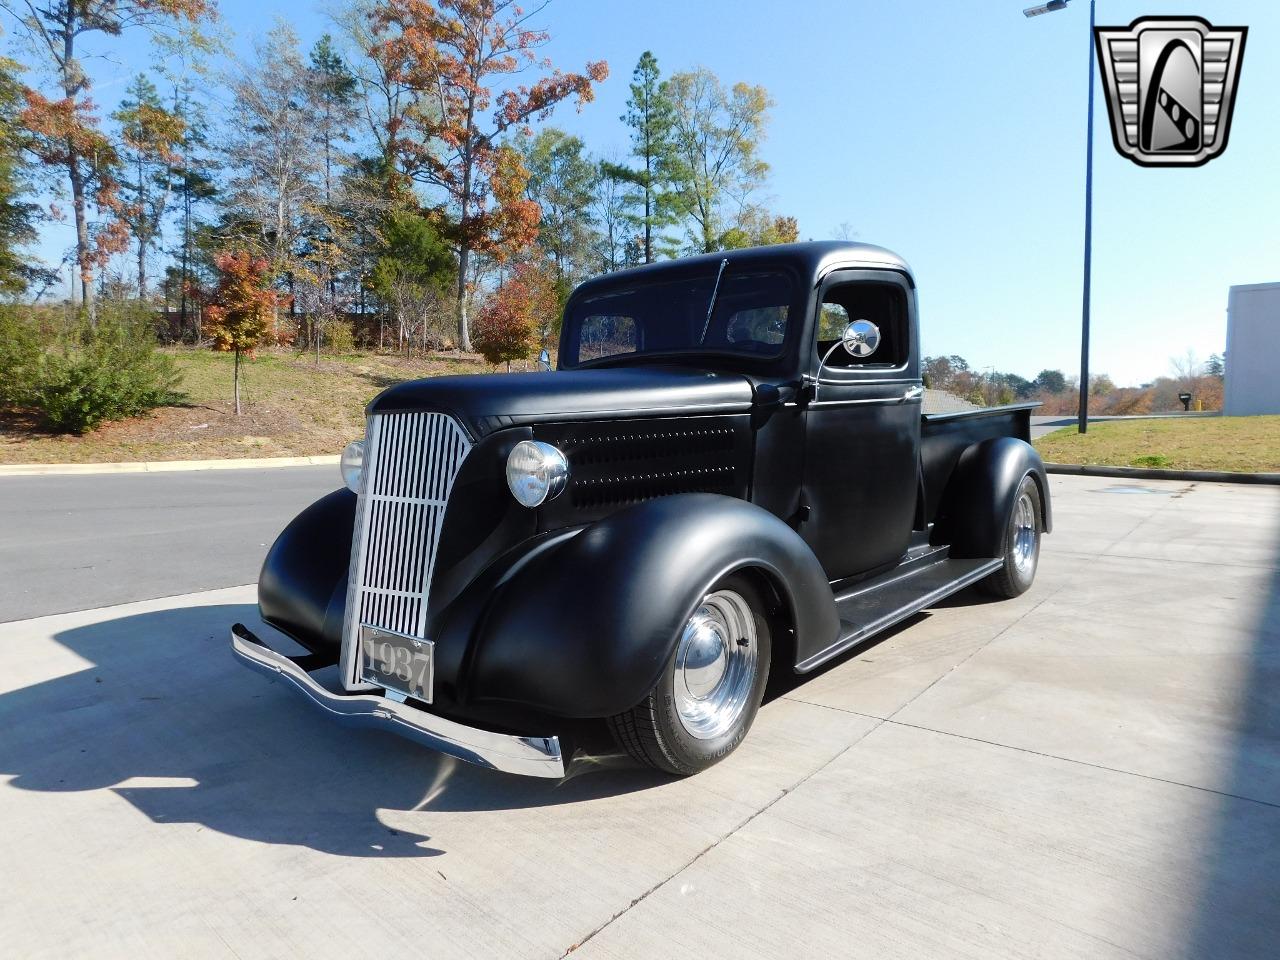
{"points": [[411, 461]]}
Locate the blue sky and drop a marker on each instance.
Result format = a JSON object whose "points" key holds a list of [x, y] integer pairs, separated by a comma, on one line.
{"points": [[954, 134]]}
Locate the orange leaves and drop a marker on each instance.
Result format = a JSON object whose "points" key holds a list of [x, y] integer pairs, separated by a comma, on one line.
{"points": [[240, 316], [513, 225], [455, 55], [62, 126], [190, 10], [152, 130], [507, 327], [64, 133]]}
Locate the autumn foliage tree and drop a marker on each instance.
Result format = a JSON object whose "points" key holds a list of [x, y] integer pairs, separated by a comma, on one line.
{"points": [[518, 316], [240, 317], [65, 127], [460, 60]]}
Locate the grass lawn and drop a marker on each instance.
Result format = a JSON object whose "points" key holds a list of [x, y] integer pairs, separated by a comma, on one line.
{"points": [[292, 407], [1238, 444]]}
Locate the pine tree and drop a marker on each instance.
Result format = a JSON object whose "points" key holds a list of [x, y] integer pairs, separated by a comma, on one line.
{"points": [[651, 117], [196, 186], [17, 215]]}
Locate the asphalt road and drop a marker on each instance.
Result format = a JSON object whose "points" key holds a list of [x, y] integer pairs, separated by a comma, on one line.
{"points": [[76, 542], [1091, 770]]}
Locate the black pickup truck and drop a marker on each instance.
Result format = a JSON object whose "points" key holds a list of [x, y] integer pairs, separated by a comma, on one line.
{"points": [[729, 473]]}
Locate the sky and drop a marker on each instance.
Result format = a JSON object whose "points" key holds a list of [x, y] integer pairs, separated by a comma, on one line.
{"points": [[952, 132]]}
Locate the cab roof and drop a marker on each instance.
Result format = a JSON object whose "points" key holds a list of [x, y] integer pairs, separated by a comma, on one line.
{"points": [[811, 259]]}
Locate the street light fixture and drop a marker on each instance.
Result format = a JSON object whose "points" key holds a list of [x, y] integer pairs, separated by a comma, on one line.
{"points": [[1049, 7], [1036, 11]]}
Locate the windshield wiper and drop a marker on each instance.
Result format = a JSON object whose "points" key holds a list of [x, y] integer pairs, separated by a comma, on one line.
{"points": [[712, 305]]}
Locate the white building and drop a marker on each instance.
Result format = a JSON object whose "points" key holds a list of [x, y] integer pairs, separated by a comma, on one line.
{"points": [[1253, 350]]}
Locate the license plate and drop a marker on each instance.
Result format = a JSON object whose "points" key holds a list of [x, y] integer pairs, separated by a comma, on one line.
{"points": [[397, 662]]}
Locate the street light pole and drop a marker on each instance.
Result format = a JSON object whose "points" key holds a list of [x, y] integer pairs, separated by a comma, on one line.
{"points": [[1088, 244], [1049, 7]]}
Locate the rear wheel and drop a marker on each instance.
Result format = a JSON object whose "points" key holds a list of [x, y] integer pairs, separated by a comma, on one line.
{"points": [[1021, 545], [710, 690]]}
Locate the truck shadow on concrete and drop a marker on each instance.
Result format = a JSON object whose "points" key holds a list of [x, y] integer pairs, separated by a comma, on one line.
{"points": [[165, 718]]}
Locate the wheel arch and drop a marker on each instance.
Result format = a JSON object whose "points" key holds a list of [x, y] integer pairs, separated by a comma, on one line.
{"points": [[585, 628], [981, 491]]}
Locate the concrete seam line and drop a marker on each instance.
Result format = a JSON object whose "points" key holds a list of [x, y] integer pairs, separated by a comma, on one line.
{"points": [[973, 653], [1036, 753], [1106, 551], [1139, 556], [1151, 473], [715, 843], [1086, 763], [161, 466]]}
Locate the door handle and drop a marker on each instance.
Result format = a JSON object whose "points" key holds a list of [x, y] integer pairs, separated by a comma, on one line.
{"points": [[914, 392]]}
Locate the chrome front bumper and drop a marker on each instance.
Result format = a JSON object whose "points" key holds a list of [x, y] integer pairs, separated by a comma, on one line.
{"points": [[529, 756]]}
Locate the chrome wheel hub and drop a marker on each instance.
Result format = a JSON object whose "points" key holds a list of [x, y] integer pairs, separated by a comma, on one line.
{"points": [[1024, 533], [715, 668]]}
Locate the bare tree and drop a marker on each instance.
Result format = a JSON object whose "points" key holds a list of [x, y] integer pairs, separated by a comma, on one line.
{"points": [[717, 135], [1187, 370], [271, 148]]}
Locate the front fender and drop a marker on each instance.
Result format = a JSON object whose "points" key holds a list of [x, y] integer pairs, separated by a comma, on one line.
{"points": [[584, 627], [302, 589], [981, 492]]}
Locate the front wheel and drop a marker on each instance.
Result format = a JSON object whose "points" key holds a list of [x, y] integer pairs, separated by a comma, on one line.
{"points": [[1021, 545], [710, 690]]}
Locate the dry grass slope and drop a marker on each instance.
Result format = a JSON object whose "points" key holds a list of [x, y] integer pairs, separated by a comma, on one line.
{"points": [[292, 408], [1238, 444]]}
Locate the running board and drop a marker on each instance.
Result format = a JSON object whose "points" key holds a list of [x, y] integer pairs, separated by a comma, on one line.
{"points": [[872, 607]]}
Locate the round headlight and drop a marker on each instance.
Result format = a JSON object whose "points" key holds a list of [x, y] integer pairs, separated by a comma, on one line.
{"points": [[353, 465], [536, 472]]}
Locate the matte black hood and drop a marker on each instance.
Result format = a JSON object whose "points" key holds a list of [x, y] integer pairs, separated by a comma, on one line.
{"points": [[488, 402]]}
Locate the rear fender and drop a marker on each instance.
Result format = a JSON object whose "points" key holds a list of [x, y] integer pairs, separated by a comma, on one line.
{"points": [[980, 495], [583, 626]]}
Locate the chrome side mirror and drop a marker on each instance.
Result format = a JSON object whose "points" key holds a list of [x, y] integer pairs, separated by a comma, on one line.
{"points": [[861, 338], [544, 362]]}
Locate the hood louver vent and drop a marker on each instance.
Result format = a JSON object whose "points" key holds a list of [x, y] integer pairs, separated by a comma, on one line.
{"points": [[612, 465]]}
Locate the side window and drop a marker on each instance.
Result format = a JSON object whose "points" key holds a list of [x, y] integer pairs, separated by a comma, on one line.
{"points": [[606, 336], [884, 304]]}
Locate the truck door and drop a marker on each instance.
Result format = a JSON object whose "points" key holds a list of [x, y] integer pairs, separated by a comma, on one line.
{"points": [[862, 425]]}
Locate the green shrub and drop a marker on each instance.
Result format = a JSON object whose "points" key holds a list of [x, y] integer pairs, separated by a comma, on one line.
{"points": [[1151, 460], [338, 337], [84, 376], [19, 358]]}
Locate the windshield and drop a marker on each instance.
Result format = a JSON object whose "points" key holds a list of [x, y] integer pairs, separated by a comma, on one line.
{"points": [[653, 315]]}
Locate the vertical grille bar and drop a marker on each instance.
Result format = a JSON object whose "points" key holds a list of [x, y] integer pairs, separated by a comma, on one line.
{"points": [[411, 462]]}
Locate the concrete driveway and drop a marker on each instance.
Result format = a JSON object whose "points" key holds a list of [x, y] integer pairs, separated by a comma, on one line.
{"points": [[1092, 770]]}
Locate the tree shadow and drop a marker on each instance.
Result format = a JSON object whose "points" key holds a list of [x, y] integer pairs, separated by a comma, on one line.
{"points": [[164, 717]]}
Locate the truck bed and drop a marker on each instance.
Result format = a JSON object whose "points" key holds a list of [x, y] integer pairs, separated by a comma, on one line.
{"points": [[944, 436]]}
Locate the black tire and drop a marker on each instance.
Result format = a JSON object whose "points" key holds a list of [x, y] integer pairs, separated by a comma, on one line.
{"points": [[1020, 546], [654, 733]]}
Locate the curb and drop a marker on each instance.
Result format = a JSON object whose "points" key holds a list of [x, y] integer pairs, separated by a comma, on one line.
{"points": [[1151, 473], [160, 466]]}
